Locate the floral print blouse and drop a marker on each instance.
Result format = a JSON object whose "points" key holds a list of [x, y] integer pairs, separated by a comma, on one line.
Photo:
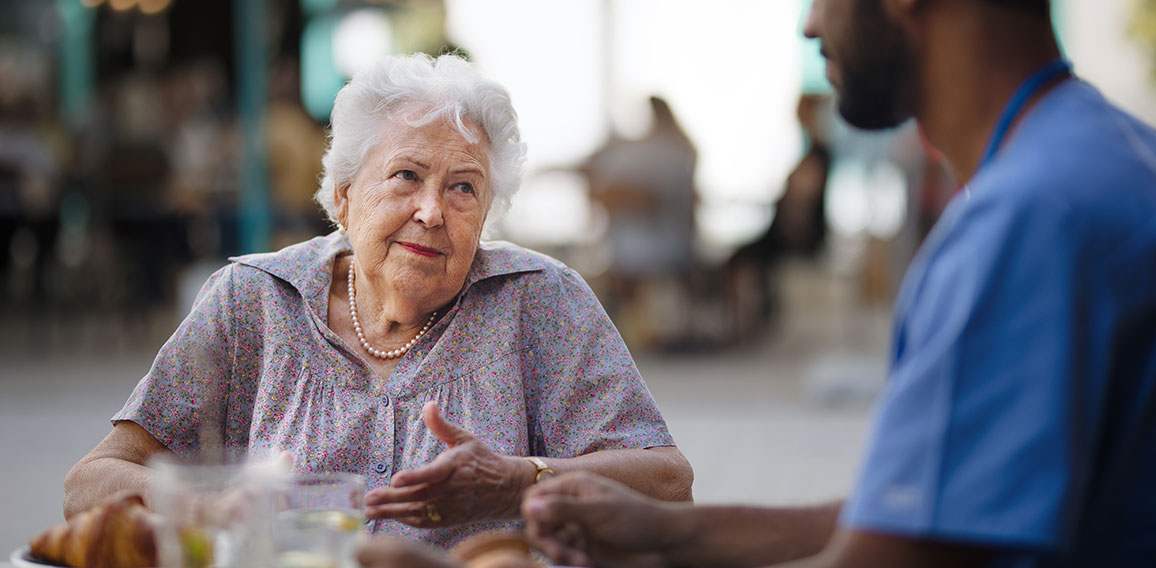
{"points": [[526, 359]]}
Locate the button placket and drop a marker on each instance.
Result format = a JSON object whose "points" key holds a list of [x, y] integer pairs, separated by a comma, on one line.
{"points": [[382, 446], [383, 437]]}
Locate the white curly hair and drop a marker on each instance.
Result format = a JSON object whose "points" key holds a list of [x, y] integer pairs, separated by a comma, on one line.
{"points": [[447, 88]]}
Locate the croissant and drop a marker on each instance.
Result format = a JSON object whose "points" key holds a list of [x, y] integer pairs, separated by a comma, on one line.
{"points": [[495, 549], [120, 533]]}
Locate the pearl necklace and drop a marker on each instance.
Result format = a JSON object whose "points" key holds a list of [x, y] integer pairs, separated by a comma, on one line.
{"points": [[394, 354]]}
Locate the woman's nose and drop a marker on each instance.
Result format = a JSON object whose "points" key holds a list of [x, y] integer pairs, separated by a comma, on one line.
{"points": [[428, 209]]}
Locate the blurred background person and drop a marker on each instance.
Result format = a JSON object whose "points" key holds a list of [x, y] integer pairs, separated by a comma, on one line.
{"points": [[203, 149], [799, 228], [645, 187], [32, 162], [296, 144]]}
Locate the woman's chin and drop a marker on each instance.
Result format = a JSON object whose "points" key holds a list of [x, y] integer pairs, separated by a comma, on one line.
{"points": [[423, 285]]}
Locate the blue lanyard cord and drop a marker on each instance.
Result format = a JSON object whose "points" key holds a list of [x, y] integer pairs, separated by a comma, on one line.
{"points": [[1021, 97]]}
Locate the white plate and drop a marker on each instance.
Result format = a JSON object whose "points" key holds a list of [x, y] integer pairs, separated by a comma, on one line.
{"points": [[20, 558]]}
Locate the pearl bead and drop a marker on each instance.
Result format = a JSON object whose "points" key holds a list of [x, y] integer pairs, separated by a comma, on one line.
{"points": [[361, 335]]}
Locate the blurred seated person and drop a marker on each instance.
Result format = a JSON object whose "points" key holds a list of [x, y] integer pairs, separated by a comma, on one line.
{"points": [[799, 227], [646, 187], [401, 347], [296, 144]]}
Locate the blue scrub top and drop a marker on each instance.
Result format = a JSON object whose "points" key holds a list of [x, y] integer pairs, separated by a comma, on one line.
{"points": [[1020, 413]]}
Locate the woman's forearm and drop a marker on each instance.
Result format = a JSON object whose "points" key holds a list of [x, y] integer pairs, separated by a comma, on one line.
{"points": [[660, 472], [93, 480], [747, 536], [113, 466]]}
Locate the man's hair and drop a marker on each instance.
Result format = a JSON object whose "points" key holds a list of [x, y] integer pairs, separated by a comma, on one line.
{"points": [[1041, 7]]}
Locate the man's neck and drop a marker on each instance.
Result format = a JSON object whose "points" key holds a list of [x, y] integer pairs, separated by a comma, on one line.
{"points": [[974, 63]]}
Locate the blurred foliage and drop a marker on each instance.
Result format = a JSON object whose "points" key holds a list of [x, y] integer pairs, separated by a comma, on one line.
{"points": [[1142, 27]]}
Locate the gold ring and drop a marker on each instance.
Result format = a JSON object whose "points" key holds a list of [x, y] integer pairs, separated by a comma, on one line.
{"points": [[431, 512]]}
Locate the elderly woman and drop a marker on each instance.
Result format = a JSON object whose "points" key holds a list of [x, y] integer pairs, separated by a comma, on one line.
{"points": [[452, 373]]}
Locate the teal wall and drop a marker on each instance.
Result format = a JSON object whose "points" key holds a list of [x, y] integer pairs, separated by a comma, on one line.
{"points": [[76, 68], [814, 69], [1060, 20]]}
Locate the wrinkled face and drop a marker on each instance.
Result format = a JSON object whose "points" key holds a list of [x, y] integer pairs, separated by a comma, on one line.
{"points": [[415, 211], [869, 60]]}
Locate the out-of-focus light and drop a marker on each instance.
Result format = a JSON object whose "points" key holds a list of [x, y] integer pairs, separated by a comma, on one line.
{"points": [[888, 201], [551, 209], [848, 204], [362, 37], [317, 7], [122, 5], [154, 6], [91, 3], [320, 79], [867, 196], [727, 223]]}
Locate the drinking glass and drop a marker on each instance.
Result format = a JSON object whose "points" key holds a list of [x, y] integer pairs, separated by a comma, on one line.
{"points": [[213, 515], [319, 520]]}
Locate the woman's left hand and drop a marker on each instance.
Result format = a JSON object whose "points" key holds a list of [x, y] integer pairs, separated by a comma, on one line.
{"points": [[468, 482]]}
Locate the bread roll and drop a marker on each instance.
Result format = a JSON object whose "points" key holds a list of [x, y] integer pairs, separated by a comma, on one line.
{"points": [[496, 549], [120, 533]]}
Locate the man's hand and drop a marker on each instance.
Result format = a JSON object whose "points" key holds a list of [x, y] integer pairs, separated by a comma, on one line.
{"points": [[581, 519], [394, 552]]}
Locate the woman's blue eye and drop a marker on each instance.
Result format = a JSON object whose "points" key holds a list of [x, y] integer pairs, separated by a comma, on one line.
{"points": [[465, 188], [408, 175]]}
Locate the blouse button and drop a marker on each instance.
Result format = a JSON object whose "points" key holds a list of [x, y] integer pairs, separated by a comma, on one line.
{"points": [[380, 467]]}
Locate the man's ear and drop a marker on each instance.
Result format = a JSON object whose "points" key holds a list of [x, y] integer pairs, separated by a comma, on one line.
{"points": [[901, 9], [910, 15], [341, 202]]}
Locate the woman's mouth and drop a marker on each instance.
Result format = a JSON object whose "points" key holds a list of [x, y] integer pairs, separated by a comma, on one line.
{"points": [[420, 250]]}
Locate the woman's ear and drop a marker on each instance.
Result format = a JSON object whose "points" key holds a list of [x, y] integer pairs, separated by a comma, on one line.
{"points": [[341, 203]]}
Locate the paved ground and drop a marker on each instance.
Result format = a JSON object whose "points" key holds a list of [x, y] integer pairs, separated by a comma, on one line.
{"points": [[781, 421]]}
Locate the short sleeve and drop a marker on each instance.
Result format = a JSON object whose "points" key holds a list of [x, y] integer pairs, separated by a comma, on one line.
{"points": [[970, 441], [585, 393], [182, 400]]}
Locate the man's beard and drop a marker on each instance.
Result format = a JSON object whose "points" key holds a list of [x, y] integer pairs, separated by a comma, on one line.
{"points": [[876, 72]]}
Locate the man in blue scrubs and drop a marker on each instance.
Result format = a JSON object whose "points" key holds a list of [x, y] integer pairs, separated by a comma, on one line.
{"points": [[1019, 423]]}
